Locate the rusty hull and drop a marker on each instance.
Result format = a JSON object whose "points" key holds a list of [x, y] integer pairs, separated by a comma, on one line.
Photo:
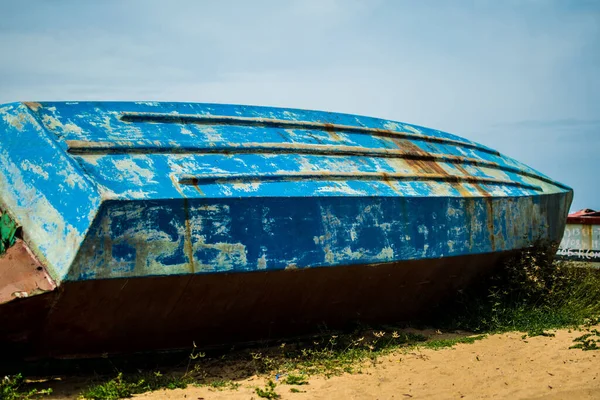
{"points": [[96, 317]]}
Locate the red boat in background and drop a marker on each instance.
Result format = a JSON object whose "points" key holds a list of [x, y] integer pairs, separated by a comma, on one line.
{"points": [[581, 241]]}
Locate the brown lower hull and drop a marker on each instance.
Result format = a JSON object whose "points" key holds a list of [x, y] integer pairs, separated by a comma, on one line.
{"points": [[132, 315]]}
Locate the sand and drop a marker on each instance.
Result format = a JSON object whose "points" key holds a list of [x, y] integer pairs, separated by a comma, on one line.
{"points": [[503, 366]]}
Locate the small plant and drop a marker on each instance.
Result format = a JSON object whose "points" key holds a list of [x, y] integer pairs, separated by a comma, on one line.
{"points": [[11, 388], [268, 392], [529, 292], [114, 389], [588, 341], [295, 380], [8, 229], [120, 387], [538, 331], [222, 384], [444, 343]]}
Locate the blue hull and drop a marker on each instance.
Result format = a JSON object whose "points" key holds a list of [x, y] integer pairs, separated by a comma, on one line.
{"points": [[118, 192]]}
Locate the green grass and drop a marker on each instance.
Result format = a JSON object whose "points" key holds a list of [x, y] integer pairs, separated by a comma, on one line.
{"points": [[292, 379], [334, 354], [588, 341], [438, 344], [12, 388], [529, 294], [123, 387], [268, 392]]}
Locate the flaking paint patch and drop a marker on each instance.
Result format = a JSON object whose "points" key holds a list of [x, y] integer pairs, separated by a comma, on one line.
{"points": [[387, 253], [261, 263], [16, 121], [32, 105], [54, 124], [247, 187], [392, 126], [212, 135], [329, 256], [341, 188], [229, 255], [322, 239], [186, 131], [351, 254], [412, 129], [353, 233], [130, 168], [72, 179], [36, 169]]}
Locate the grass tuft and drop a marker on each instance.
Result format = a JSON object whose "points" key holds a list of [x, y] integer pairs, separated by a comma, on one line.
{"points": [[438, 344], [268, 392], [121, 387], [12, 388], [529, 293], [296, 380], [588, 341]]}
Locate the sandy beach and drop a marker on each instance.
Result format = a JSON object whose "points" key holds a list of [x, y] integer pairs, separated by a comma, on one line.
{"points": [[502, 366]]}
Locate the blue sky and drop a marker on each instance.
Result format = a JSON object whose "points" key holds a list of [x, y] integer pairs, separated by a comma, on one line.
{"points": [[519, 76]]}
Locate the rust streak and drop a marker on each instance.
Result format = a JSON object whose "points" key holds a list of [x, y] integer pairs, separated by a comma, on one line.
{"points": [[388, 182], [461, 189], [478, 187], [33, 106], [199, 190], [189, 249], [327, 175], [330, 129], [490, 222], [143, 117]]}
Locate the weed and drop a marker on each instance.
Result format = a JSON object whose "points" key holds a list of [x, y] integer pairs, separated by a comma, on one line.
{"points": [[538, 331], [221, 384], [331, 355], [11, 388], [292, 379], [114, 389], [588, 341], [438, 344], [268, 392], [529, 293], [120, 387], [295, 390]]}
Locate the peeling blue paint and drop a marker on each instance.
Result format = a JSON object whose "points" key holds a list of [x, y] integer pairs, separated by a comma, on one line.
{"points": [[106, 190]]}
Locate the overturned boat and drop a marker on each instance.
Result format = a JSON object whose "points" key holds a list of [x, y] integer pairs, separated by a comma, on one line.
{"points": [[130, 226]]}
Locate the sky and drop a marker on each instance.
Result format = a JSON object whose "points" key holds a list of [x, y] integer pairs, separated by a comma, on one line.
{"points": [[522, 77]]}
